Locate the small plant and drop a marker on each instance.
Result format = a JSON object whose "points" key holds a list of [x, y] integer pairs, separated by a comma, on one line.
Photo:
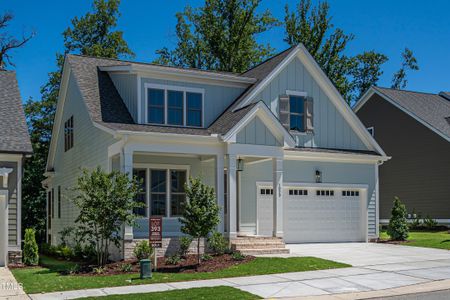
{"points": [[99, 270], [143, 250], [430, 223], [126, 268], [416, 221], [398, 225], [74, 269], [217, 243], [237, 256], [173, 260], [206, 257], [65, 252], [185, 243], [30, 248]]}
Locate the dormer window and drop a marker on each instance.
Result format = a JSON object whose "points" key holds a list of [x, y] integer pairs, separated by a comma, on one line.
{"points": [[172, 105]]}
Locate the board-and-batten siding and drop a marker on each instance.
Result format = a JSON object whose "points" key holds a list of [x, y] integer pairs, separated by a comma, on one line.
{"points": [[126, 85], [12, 201], [217, 98], [331, 130], [255, 132], [90, 150]]}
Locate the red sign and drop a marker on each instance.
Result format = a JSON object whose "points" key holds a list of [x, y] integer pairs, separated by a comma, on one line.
{"points": [[155, 226]]}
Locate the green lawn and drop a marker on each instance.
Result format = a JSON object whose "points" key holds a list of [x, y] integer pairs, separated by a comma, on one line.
{"points": [[209, 293], [438, 239], [47, 278]]}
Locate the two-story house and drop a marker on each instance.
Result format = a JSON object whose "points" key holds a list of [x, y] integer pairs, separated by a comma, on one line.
{"points": [[14, 146], [286, 155]]}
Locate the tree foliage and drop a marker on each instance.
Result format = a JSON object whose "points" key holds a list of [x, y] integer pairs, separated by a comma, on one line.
{"points": [[366, 71], [8, 42], [398, 226], [30, 248], [409, 62], [105, 202], [93, 34], [201, 212], [221, 35]]}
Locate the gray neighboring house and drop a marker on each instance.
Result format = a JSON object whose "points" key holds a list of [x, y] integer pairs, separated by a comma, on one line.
{"points": [[14, 146], [288, 158], [414, 128]]}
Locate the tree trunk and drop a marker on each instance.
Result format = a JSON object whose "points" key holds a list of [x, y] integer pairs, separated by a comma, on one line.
{"points": [[198, 251]]}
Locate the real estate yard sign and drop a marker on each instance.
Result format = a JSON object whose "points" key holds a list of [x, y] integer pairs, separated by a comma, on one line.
{"points": [[156, 232]]}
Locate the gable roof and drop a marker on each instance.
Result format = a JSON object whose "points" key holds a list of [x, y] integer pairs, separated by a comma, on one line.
{"points": [[14, 137], [432, 110]]}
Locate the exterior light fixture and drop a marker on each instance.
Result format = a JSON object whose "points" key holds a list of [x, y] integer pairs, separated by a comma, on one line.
{"points": [[240, 165], [318, 176]]}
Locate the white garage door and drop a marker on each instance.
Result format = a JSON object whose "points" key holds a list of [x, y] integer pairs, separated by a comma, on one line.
{"points": [[316, 214]]}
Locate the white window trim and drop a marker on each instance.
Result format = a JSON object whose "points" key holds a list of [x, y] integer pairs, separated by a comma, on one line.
{"points": [[297, 94], [166, 167], [183, 89]]}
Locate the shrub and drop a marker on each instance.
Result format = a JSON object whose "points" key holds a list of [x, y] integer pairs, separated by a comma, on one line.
{"points": [[185, 243], [65, 252], [217, 243], [416, 222], [99, 270], [206, 257], [74, 269], [398, 225], [173, 260], [237, 255], [30, 248], [126, 268], [429, 223], [143, 250]]}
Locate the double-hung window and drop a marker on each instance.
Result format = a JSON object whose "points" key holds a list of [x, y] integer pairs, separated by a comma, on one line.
{"points": [[171, 105], [164, 195], [297, 113]]}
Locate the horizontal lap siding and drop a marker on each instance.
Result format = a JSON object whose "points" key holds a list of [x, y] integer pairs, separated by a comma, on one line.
{"points": [[12, 201]]}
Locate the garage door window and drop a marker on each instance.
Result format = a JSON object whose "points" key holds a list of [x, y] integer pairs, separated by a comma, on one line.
{"points": [[298, 192], [350, 193], [326, 193], [266, 191]]}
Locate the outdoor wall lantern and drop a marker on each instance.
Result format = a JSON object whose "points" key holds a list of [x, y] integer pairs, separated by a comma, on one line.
{"points": [[240, 165], [318, 176]]}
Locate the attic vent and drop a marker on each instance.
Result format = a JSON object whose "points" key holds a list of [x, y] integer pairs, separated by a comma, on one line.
{"points": [[445, 95]]}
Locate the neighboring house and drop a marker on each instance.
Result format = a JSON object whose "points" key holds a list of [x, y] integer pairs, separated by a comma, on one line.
{"points": [[414, 128], [14, 145], [281, 124]]}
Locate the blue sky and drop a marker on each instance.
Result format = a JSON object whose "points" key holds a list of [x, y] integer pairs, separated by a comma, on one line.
{"points": [[382, 25]]}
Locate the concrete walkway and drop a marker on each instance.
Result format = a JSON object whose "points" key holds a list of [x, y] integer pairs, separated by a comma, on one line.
{"points": [[9, 288], [377, 267]]}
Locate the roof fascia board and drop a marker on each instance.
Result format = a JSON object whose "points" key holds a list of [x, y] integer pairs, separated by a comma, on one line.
{"points": [[340, 104], [368, 95], [268, 78], [335, 157]]}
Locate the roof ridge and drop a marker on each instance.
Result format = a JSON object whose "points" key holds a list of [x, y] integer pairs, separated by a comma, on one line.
{"points": [[267, 60], [407, 91]]}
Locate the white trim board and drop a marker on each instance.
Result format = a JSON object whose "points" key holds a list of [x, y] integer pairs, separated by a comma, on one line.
{"points": [[368, 95]]}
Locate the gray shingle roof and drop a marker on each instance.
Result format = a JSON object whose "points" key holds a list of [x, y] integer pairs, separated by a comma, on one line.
{"points": [[14, 137], [432, 109]]}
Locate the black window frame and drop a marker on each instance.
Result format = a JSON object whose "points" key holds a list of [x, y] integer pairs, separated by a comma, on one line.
{"points": [[59, 202], [68, 134]]}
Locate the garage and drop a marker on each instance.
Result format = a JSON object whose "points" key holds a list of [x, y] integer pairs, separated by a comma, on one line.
{"points": [[319, 213]]}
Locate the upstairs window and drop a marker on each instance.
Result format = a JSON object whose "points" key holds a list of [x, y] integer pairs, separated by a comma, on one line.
{"points": [[171, 105], [68, 134], [297, 113]]}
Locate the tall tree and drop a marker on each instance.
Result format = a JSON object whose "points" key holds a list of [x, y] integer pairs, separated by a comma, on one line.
{"points": [[221, 35], [8, 42], [409, 62], [93, 34], [367, 71]]}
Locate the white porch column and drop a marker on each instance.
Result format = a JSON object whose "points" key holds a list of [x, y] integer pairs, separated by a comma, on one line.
{"points": [[277, 164], [3, 228], [220, 191], [126, 158], [232, 196]]}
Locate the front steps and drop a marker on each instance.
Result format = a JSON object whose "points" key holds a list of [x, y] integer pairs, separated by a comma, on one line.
{"points": [[249, 245]]}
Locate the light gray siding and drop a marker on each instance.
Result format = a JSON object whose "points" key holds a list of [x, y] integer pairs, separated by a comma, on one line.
{"points": [[304, 172], [205, 169], [331, 130], [12, 201], [255, 132], [90, 150], [217, 98], [126, 85]]}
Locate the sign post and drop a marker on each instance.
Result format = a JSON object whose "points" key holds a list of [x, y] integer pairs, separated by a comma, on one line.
{"points": [[155, 235]]}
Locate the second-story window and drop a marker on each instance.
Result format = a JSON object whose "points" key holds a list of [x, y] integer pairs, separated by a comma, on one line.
{"points": [[68, 134], [297, 112], [180, 106]]}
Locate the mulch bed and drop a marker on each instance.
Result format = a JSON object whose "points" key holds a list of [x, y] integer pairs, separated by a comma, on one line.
{"points": [[187, 265], [392, 242]]}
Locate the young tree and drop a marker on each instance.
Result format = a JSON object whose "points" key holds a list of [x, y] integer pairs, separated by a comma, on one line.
{"points": [[201, 212], [221, 35], [398, 226], [93, 34], [8, 43], [30, 248], [409, 62], [105, 202]]}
